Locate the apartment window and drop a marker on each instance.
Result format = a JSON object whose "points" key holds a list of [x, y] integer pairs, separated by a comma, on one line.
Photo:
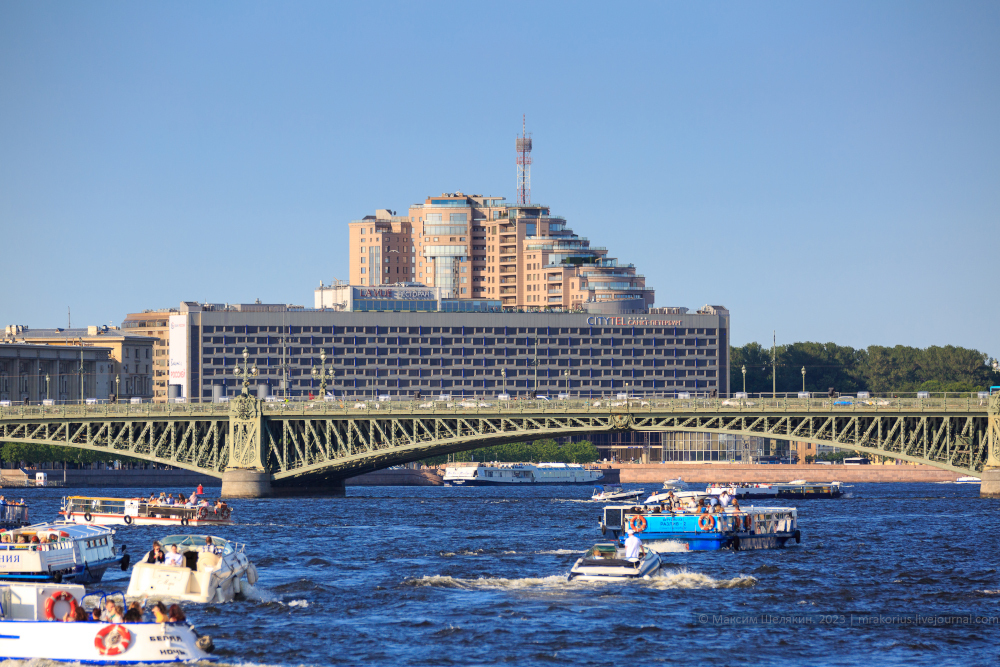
{"points": [[362, 270], [457, 217], [434, 217], [362, 259]]}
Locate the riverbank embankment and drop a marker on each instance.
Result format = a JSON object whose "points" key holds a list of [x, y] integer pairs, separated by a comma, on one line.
{"points": [[732, 474]]}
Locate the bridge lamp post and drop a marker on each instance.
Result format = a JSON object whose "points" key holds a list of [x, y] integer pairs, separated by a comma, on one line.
{"points": [[81, 371], [503, 374], [566, 375], [118, 393], [245, 372], [322, 373], [744, 369], [48, 394], [803, 379]]}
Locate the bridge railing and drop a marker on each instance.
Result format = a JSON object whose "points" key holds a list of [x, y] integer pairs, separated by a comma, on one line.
{"points": [[755, 405]]}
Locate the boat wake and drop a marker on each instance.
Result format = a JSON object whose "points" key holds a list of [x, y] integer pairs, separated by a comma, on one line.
{"points": [[486, 583], [668, 547], [685, 579], [561, 552]]}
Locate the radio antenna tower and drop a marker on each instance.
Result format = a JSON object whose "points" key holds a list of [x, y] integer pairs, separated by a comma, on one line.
{"points": [[523, 166]]}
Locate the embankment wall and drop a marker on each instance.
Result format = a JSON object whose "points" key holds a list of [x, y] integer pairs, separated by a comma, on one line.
{"points": [[729, 474]]}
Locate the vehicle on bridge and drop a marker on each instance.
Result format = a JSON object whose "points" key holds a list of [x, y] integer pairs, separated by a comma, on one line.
{"points": [[495, 474], [683, 529], [137, 512], [28, 611], [59, 551]]}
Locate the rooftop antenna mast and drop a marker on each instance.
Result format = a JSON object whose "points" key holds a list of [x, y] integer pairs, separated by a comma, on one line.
{"points": [[523, 166]]}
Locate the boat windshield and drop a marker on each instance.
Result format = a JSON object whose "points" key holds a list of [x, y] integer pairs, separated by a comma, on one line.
{"points": [[195, 541], [601, 551]]}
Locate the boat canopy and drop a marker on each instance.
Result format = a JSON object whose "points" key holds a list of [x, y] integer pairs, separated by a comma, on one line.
{"points": [[195, 541]]}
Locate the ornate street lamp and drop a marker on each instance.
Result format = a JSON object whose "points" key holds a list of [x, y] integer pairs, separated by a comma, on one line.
{"points": [[744, 369], [48, 394], [503, 373], [803, 379], [245, 372], [322, 373], [118, 393]]}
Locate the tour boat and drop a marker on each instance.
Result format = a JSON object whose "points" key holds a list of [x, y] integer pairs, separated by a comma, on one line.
{"points": [[683, 529], [64, 552], [606, 562], [613, 492], [139, 512], [206, 576], [676, 483], [968, 480], [495, 474], [798, 489], [30, 630]]}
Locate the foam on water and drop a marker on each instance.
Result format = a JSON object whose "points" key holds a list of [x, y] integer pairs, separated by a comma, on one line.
{"points": [[668, 547], [682, 578], [561, 552], [485, 582]]}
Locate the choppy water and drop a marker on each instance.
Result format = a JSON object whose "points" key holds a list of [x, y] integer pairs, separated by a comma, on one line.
{"points": [[459, 576]]}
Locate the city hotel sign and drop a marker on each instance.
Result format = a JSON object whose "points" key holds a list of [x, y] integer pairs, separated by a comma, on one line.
{"points": [[601, 321], [384, 293]]}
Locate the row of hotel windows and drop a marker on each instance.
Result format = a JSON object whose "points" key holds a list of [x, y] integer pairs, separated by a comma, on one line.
{"points": [[489, 342], [473, 372], [474, 356], [465, 331]]}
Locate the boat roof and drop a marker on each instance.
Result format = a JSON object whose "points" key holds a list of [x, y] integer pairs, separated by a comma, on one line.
{"points": [[191, 540], [70, 528]]}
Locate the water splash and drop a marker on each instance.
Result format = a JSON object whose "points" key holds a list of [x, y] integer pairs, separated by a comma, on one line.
{"points": [[485, 583], [668, 579]]}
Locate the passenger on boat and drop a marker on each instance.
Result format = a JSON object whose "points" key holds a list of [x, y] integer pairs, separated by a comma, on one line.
{"points": [[736, 504], [174, 558], [112, 612], [193, 498], [133, 616], [219, 505], [176, 614], [633, 546], [156, 555], [209, 547], [725, 498], [21, 539], [160, 612], [74, 616]]}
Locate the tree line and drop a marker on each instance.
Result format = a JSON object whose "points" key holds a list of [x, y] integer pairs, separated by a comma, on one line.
{"points": [[877, 368], [28, 453]]}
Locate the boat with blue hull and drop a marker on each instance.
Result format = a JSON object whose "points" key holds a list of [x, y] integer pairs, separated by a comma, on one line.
{"points": [[663, 530], [59, 552]]}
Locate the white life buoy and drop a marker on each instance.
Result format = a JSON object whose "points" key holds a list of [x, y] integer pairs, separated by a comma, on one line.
{"points": [[251, 574]]}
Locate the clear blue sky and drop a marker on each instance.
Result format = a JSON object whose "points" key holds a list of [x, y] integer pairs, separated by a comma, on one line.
{"points": [[829, 170]]}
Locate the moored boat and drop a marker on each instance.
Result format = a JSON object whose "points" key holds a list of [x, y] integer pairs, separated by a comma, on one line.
{"points": [[612, 493], [662, 529], [214, 570], [59, 551], [139, 512], [795, 490], [30, 630], [607, 562], [499, 474]]}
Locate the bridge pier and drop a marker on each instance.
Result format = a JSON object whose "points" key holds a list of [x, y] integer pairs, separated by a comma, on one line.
{"points": [[241, 483], [990, 487]]}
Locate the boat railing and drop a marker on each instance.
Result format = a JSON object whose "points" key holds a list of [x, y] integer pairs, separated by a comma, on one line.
{"points": [[14, 514]]}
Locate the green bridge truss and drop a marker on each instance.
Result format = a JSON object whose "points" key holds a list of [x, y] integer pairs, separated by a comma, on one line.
{"points": [[299, 442]]}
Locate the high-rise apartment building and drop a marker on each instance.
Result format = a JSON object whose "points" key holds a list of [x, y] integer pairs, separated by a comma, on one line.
{"points": [[475, 247]]}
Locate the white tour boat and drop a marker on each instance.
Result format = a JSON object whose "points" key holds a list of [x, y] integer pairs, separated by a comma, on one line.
{"points": [[139, 512], [30, 630], [607, 562], [968, 480], [496, 474], [613, 492], [798, 489], [209, 574], [59, 551]]}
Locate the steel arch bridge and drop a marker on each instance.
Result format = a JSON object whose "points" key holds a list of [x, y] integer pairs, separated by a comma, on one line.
{"points": [[322, 442]]}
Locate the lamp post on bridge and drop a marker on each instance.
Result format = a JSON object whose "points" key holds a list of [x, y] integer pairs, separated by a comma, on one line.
{"points": [[118, 393], [48, 394], [744, 369], [503, 374], [803, 379], [322, 374], [245, 373]]}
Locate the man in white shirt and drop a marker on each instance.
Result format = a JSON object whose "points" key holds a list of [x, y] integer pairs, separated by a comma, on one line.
{"points": [[725, 498], [174, 557], [633, 546]]}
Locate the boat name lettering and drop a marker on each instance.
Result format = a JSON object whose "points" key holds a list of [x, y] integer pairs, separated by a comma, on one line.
{"points": [[600, 320], [10, 558], [165, 638], [172, 651]]}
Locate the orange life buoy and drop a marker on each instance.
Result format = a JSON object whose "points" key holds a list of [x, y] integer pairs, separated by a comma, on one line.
{"points": [[638, 523], [203, 513], [706, 522], [56, 597], [113, 639], [225, 513]]}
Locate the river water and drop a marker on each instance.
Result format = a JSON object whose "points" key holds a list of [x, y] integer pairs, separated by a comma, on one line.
{"points": [[465, 576]]}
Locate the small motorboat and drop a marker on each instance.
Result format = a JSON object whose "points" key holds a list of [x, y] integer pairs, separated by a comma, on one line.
{"points": [[59, 551], [968, 480], [27, 612], [211, 572], [606, 562], [613, 492], [676, 483]]}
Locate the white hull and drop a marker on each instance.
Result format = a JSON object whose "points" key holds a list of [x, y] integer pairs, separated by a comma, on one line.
{"points": [[589, 570], [75, 642], [120, 520], [511, 474], [215, 578]]}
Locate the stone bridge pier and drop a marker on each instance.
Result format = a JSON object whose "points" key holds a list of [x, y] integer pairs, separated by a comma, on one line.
{"points": [[990, 487]]}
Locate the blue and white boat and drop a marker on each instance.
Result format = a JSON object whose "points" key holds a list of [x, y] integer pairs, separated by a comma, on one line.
{"points": [[59, 552], [30, 630], [664, 530]]}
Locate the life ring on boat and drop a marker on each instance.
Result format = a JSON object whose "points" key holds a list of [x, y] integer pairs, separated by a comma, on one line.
{"points": [[638, 523], [66, 596], [706, 522], [202, 513], [128, 520], [88, 517], [225, 513], [119, 636]]}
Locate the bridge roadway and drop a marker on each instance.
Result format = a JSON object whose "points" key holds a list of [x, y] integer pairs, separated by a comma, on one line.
{"points": [[262, 448]]}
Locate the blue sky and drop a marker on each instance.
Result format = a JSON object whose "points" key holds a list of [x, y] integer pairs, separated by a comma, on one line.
{"points": [[828, 170]]}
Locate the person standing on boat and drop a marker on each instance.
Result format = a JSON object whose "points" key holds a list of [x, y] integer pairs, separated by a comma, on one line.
{"points": [[725, 498], [209, 547], [174, 558], [633, 546]]}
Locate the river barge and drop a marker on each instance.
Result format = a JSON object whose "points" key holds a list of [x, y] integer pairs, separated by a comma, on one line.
{"points": [[138, 512], [512, 474], [663, 530], [59, 552]]}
